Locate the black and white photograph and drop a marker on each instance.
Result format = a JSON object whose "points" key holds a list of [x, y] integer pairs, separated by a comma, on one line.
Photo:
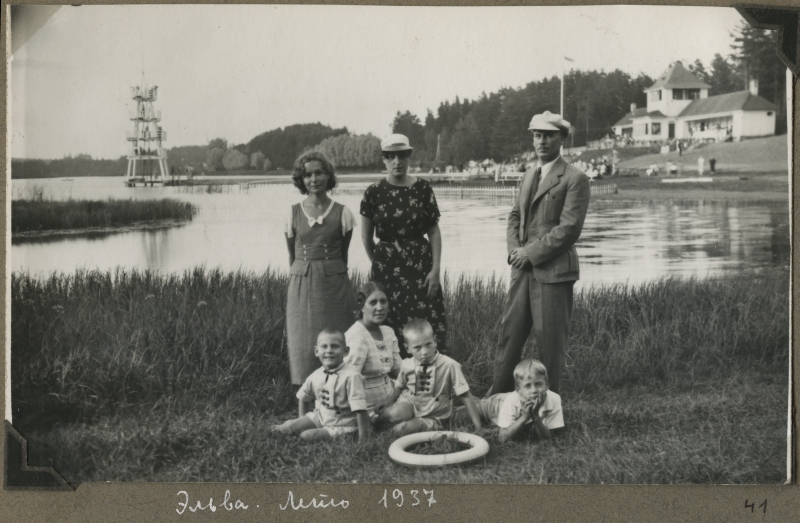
{"points": [[400, 245]]}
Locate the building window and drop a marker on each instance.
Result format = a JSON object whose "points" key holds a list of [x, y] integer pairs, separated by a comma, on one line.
{"points": [[769, 113], [677, 94], [692, 94], [656, 128], [659, 95], [646, 129]]}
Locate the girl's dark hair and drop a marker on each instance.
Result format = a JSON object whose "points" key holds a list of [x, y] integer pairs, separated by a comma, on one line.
{"points": [[300, 170], [364, 292]]}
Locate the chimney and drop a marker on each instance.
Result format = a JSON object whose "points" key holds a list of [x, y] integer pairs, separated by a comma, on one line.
{"points": [[633, 107], [754, 86]]}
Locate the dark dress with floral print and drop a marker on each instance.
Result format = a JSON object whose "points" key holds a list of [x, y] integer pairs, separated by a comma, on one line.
{"points": [[403, 256]]}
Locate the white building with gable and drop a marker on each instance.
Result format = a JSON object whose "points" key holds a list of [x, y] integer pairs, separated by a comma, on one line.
{"points": [[678, 107]]}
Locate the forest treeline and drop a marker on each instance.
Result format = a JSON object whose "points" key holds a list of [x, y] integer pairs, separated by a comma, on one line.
{"points": [[493, 126], [80, 165]]}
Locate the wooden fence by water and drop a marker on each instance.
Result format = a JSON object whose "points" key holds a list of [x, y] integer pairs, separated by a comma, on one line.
{"points": [[442, 191], [471, 192]]}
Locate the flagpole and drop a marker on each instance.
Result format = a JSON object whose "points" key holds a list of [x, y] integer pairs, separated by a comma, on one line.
{"points": [[563, 67]]}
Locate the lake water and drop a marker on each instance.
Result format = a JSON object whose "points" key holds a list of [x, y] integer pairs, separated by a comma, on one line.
{"points": [[242, 229]]}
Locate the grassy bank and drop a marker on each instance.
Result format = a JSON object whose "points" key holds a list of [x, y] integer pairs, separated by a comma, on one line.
{"points": [[750, 187], [134, 376], [40, 214], [768, 154]]}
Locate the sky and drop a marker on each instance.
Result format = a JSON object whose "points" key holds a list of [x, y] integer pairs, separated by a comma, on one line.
{"points": [[238, 71]]}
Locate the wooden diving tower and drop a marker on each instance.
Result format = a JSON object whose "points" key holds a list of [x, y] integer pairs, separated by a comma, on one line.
{"points": [[147, 159]]}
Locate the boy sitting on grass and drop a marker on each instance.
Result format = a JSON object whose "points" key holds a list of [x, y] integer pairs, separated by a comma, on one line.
{"points": [[529, 408], [422, 396], [337, 388]]}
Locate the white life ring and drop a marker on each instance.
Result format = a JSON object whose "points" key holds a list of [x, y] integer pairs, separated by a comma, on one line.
{"points": [[397, 450]]}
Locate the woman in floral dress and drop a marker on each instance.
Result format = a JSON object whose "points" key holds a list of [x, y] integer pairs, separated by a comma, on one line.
{"points": [[401, 211], [318, 233]]}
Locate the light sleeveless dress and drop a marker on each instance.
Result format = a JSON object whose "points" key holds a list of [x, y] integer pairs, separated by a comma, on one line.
{"points": [[320, 293], [375, 360]]}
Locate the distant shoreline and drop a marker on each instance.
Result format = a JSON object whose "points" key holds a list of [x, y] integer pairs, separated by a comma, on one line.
{"points": [[726, 186]]}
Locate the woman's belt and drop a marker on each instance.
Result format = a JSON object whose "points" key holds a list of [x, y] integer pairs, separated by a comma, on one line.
{"points": [[401, 240], [396, 242], [305, 258]]}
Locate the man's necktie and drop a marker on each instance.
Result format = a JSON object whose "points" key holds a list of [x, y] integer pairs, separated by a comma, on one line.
{"points": [[537, 177]]}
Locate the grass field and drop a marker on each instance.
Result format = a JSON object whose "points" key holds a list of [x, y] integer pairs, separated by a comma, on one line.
{"points": [[751, 187], [136, 376], [768, 154], [40, 214]]}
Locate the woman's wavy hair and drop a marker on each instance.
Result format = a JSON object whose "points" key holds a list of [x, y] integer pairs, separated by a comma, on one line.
{"points": [[300, 170], [364, 292]]}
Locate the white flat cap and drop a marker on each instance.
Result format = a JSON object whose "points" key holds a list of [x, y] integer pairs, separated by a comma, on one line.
{"points": [[548, 121], [395, 142]]}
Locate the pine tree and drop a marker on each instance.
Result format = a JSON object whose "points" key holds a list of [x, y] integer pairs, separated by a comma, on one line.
{"points": [[723, 78], [755, 53]]}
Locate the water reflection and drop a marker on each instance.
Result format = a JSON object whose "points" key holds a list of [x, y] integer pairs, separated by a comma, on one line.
{"points": [[242, 229]]}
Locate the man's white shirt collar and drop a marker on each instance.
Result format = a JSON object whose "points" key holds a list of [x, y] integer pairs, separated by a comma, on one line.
{"points": [[546, 168]]}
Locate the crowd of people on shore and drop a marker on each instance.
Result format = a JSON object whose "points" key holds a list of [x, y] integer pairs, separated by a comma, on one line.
{"points": [[387, 364]]}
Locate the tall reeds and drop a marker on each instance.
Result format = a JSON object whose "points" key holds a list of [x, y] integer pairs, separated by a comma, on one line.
{"points": [[40, 214], [100, 343]]}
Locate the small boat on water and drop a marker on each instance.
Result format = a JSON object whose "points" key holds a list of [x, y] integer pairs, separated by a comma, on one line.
{"points": [[66, 179]]}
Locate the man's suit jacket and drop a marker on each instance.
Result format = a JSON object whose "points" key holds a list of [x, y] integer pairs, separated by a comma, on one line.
{"points": [[549, 224]]}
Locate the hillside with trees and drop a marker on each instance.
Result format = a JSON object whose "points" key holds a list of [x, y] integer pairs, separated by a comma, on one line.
{"points": [[352, 151], [283, 146], [495, 125], [69, 166]]}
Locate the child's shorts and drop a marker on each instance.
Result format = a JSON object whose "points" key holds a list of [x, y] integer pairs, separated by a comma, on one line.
{"points": [[334, 431]]}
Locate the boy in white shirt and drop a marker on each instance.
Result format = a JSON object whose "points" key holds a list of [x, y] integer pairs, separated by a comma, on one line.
{"points": [[422, 396], [531, 406], [338, 392]]}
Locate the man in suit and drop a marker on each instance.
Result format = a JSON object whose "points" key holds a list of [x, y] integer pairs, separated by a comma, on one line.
{"points": [[543, 226]]}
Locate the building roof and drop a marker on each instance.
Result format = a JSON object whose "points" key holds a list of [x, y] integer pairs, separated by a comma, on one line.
{"points": [[677, 77], [628, 118], [723, 103], [655, 115]]}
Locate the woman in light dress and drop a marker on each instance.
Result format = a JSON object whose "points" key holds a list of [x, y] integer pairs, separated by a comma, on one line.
{"points": [[374, 350], [318, 233]]}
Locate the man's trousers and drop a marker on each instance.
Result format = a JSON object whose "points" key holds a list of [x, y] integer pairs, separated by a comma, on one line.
{"points": [[544, 307]]}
